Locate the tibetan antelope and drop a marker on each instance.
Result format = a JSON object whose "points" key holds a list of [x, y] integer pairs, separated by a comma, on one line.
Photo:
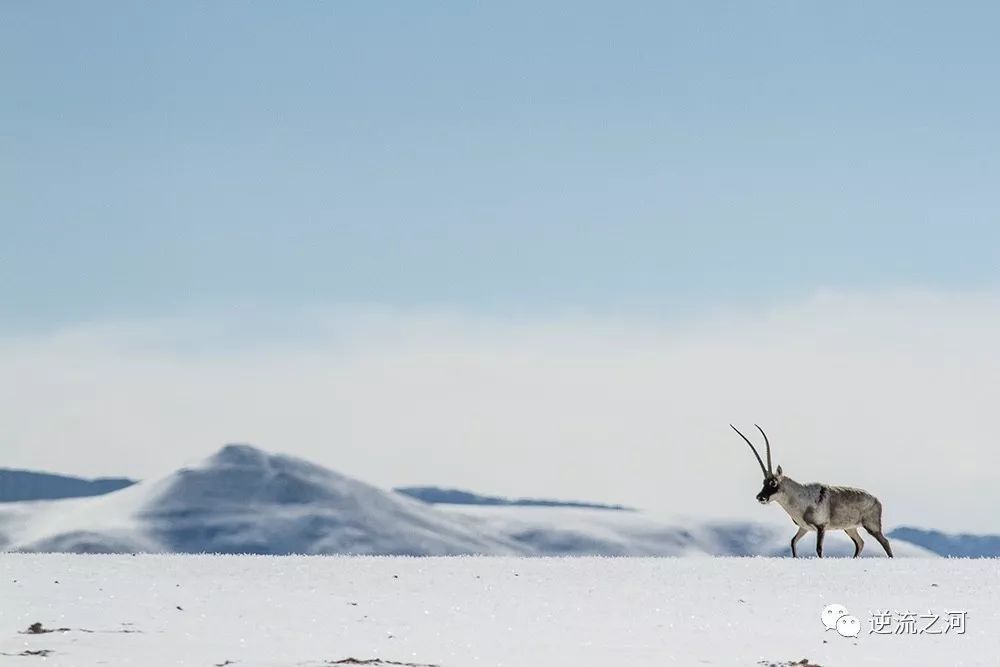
{"points": [[820, 507]]}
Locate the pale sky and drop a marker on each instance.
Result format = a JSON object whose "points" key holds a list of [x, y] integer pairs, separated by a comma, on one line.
{"points": [[523, 250]]}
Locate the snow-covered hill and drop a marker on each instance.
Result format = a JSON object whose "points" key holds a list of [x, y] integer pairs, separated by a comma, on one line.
{"points": [[245, 500]]}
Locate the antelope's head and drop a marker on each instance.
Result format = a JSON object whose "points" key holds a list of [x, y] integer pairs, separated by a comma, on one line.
{"points": [[772, 480]]}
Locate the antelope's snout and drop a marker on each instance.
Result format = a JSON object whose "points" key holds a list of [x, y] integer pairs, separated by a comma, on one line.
{"points": [[762, 499]]}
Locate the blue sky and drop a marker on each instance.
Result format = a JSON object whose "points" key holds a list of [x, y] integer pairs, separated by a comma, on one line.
{"points": [[524, 250], [505, 158]]}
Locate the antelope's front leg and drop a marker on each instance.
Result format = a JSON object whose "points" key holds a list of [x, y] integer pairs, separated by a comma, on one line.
{"points": [[820, 531], [796, 538]]}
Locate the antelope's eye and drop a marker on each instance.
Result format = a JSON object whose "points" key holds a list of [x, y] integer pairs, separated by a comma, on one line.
{"points": [[772, 484]]}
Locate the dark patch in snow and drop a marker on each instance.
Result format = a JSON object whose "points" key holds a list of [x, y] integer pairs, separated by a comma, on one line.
{"points": [[804, 662], [37, 628], [39, 653]]}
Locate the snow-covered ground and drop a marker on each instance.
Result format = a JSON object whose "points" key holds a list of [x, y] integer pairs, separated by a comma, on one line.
{"points": [[458, 612]]}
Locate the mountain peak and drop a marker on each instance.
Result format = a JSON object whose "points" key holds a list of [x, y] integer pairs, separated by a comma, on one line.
{"points": [[239, 453]]}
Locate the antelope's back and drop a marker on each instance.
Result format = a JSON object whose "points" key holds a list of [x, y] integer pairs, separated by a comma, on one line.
{"points": [[851, 507]]}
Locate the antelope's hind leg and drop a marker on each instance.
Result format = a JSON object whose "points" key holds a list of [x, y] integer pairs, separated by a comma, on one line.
{"points": [[820, 533], [877, 534], [873, 524], [795, 539], [859, 543]]}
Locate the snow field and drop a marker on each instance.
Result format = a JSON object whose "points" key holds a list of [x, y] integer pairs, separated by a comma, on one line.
{"points": [[456, 612]]}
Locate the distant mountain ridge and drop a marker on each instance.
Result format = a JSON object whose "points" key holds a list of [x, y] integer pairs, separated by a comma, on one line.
{"points": [[961, 545], [441, 496], [16, 485]]}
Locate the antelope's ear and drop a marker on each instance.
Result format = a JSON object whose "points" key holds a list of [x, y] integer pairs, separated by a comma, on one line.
{"points": [[779, 471]]}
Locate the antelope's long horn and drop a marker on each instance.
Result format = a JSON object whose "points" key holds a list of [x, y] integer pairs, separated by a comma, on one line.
{"points": [[753, 449], [766, 442]]}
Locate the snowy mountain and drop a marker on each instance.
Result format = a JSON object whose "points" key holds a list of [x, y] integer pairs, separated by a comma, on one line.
{"points": [[244, 500], [26, 485]]}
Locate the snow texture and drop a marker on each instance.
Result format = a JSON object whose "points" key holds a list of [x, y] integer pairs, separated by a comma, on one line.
{"points": [[250, 611]]}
